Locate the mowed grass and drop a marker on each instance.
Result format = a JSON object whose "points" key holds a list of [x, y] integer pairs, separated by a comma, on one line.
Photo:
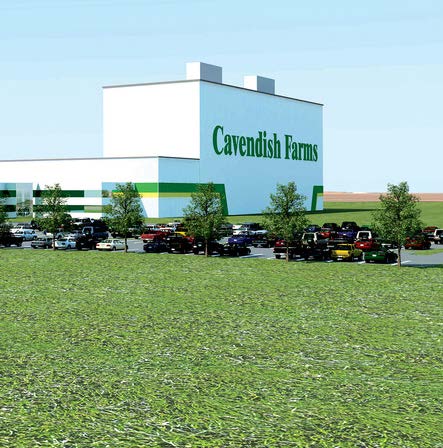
{"points": [[138, 350], [360, 212]]}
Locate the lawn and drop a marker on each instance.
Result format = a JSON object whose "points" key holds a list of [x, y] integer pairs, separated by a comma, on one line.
{"points": [[138, 350], [360, 212]]}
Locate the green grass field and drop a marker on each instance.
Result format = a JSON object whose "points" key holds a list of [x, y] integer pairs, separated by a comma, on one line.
{"points": [[138, 350], [360, 212]]}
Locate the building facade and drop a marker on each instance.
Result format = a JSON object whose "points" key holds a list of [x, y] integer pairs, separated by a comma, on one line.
{"points": [[169, 137]]}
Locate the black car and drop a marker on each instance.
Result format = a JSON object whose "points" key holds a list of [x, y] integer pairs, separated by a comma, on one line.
{"points": [[236, 249], [178, 244], [9, 239], [156, 247], [263, 241], [86, 242], [214, 247]]}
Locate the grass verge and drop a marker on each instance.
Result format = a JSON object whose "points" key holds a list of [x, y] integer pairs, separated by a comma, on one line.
{"points": [[108, 349]]}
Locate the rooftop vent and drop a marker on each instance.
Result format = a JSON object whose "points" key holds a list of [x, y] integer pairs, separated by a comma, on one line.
{"points": [[205, 72], [259, 83]]}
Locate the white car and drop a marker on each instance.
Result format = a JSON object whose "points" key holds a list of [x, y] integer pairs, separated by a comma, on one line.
{"points": [[111, 244], [65, 243]]}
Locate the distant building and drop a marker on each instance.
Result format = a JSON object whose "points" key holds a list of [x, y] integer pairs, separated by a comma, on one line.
{"points": [[169, 137]]}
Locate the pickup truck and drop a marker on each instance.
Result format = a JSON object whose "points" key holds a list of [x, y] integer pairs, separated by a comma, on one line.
{"points": [[346, 252]]}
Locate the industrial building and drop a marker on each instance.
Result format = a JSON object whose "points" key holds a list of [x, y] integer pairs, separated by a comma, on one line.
{"points": [[169, 137]]}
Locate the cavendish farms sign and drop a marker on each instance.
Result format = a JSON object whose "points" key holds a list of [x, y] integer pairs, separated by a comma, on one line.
{"points": [[263, 145]]}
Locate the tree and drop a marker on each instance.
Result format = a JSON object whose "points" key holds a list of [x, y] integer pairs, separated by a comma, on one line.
{"points": [[124, 210], [398, 216], [203, 216], [51, 213], [286, 214], [4, 226]]}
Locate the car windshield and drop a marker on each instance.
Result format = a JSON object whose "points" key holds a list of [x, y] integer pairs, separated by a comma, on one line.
{"points": [[107, 241], [343, 247]]}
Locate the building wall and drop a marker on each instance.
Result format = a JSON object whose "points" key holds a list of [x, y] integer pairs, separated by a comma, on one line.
{"points": [[250, 179], [85, 182], [152, 120]]}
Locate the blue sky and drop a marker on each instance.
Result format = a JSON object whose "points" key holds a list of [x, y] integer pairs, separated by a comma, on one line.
{"points": [[376, 66]]}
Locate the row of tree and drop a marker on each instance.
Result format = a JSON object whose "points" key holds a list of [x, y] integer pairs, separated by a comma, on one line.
{"points": [[397, 217]]}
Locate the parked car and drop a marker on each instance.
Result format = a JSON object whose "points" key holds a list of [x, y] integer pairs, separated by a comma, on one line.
{"points": [[96, 232], [346, 252], [367, 244], [295, 249], [8, 239], [241, 239], [438, 236], [65, 243], [418, 243], [381, 255], [42, 242], [318, 252], [26, 234], [312, 228], [328, 229], [214, 247], [264, 241], [248, 228], [429, 232], [85, 242], [313, 239], [157, 246], [153, 235], [236, 249], [110, 244], [178, 244]]}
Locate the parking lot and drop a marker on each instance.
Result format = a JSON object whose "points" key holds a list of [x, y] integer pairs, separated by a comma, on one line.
{"points": [[409, 258]]}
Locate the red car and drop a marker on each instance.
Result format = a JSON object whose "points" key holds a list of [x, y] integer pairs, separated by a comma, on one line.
{"points": [[367, 245], [417, 243]]}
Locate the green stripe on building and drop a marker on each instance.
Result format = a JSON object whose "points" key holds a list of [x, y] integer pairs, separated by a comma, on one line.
{"points": [[317, 190]]}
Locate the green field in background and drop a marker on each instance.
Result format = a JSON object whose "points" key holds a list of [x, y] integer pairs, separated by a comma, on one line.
{"points": [[360, 212], [145, 350]]}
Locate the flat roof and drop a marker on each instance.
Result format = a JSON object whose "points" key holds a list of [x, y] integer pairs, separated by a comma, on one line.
{"points": [[209, 82], [96, 158]]}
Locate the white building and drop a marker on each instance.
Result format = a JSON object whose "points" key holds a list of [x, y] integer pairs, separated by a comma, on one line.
{"points": [[169, 137]]}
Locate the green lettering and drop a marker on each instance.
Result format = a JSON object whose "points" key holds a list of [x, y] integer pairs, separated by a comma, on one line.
{"points": [[307, 153], [242, 144], [235, 139], [250, 146], [259, 145], [315, 149], [288, 143], [215, 139], [294, 151], [228, 145], [277, 147]]}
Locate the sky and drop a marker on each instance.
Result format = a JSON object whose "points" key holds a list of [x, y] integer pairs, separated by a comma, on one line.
{"points": [[376, 66]]}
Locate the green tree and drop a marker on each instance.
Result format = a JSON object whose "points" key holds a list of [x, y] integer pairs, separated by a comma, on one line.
{"points": [[4, 226], [286, 214], [203, 216], [398, 216], [51, 213], [124, 211]]}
